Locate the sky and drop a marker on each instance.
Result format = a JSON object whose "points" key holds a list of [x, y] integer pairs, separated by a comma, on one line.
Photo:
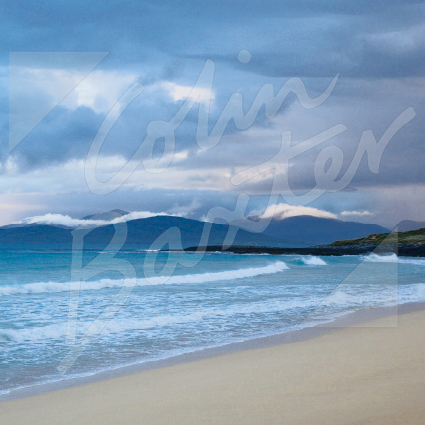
{"points": [[180, 107]]}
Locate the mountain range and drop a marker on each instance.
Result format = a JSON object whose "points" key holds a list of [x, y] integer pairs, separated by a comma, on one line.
{"points": [[141, 233], [408, 225], [317, 230], [300, 231]]}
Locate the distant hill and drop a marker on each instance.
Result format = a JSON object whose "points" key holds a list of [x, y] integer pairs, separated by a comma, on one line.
{"points": [[141, 234], [405, 244], [35, 234], [406, 225], [301, 231], [144, 231], [409, 237], [315, 230]]}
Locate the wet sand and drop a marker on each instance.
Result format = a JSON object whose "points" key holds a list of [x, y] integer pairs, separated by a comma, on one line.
{"points": [[372, 372]]}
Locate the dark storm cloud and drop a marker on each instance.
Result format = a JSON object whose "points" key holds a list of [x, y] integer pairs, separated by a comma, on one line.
{"points": [[368, 43], [64, 134], [286, 37]]}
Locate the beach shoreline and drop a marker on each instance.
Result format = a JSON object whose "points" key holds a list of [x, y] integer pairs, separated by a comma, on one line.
{"points": [[387, 314], [367, 368]]}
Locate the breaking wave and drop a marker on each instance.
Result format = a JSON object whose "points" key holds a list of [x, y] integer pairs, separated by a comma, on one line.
{"points": [[392, 258], [313, 261], [43, 287]]}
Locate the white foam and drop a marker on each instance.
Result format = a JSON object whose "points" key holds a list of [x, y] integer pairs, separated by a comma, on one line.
{"points": [[313, 261], [38, 333], [412, 293], [375, 258], [353, 297], [43, 287], [130, 324], [392, 258], [361, 295], [350, 296]]}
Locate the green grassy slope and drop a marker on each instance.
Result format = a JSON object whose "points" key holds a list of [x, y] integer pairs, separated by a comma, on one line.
{"points": [[410, 237]]}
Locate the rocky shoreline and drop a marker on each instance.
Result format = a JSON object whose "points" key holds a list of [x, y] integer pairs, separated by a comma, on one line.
{"points": [[403, 250]]}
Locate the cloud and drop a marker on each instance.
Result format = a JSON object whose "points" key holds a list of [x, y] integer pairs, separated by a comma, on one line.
{"points": [[282, 211], [356, 213], [100, 90], [184, 210], [66, 220], [378, 48], [178, 92]]}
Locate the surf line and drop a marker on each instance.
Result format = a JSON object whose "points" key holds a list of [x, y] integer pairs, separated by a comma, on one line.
{"points": [[201, 94]]}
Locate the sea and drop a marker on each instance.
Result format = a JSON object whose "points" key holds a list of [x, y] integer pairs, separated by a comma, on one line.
{"points": [[65, 315]]}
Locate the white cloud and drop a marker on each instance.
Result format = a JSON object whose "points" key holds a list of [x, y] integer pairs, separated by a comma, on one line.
{"points": [[178, 92], [356, 213], [100, 90], [63, 220], [282, 211], [184, 210], [69, 177], [398, 41], [66, 220]]}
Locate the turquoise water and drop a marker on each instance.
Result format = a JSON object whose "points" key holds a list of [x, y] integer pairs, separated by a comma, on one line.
{"points": [[223, 298]]}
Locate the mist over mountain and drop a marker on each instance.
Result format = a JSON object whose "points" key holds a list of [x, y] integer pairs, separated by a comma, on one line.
{"points": [[297, 231], [106, 215], [141, 233]]}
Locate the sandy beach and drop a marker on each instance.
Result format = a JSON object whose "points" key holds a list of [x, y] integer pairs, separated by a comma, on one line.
{"points": [[370, 374]]}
